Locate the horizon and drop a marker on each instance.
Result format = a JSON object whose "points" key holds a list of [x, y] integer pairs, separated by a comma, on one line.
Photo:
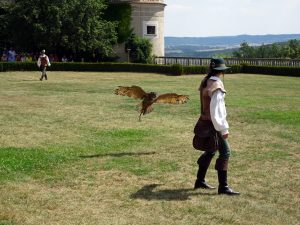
{"points": [[232, 35]]}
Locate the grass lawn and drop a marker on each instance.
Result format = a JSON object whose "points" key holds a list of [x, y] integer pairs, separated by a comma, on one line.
{"points": [[72, 152]]}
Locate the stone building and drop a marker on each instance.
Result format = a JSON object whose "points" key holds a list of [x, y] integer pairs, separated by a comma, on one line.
{"points": [[147, 21]]}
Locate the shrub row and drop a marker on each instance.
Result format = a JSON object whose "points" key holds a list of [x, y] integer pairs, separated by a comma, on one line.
{"points": [[88, 67], [175, 69], [107, 67], [271, 70]]}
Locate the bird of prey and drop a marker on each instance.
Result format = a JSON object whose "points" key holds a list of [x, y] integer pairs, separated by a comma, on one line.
{"points": [[148, 99]]}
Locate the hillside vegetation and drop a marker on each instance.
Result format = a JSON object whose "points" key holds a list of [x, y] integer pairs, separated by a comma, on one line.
{"points": [[263, 45]]}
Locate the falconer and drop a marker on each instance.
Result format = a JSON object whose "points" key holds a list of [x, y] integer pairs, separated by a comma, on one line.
{"points": [[211, 130]]}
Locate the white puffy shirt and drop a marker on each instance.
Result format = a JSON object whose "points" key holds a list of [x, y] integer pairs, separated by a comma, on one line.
{"points": [[218, 110]]}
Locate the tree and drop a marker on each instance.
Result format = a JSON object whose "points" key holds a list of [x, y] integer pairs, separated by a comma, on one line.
{"points": [[35, 24], [140, 49], [245, 51], [275, 51], [291, 50], [85, 30], [73, 26], [4, 11], [121, 14], [294, 48]]}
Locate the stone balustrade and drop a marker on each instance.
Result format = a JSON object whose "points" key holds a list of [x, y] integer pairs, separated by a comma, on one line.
{"points": [[188, 61]]}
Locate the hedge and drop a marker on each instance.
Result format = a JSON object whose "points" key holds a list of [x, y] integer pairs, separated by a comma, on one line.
{"points": [[106, 67], [204, 69], [272, 70], [88, 67], [175, 69]]}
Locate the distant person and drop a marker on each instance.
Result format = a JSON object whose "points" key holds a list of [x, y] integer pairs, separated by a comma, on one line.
{"points": [[64, 59], [43, 62], [55, 58], [211, 130], [51, 57], [29, 57], [4, 57], [71, 58], [23, 57], [11, 55]]}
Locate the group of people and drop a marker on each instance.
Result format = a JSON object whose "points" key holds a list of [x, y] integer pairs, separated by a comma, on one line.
{"points": [[9, 55], [12, 56], [43, 61]]}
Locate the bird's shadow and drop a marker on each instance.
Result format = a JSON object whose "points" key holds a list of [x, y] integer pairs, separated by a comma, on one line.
{"points": [[120, 154], [33, 80], [25, 80], [148, 193]]}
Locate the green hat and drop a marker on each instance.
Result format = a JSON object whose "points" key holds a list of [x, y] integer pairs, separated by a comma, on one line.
{"points": [[218, 64]]}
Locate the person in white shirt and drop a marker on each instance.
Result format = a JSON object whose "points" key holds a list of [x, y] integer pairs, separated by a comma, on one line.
{"points": [[211, 130], [64, 59], [43, 62], [11, 55]]}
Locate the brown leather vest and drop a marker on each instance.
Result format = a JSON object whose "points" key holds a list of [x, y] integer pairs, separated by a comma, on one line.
{"points": [[205, 96], [44, 61]]}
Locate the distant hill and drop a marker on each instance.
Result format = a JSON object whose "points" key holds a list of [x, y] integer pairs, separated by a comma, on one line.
{"points": [[218, 45], [230, 40]]}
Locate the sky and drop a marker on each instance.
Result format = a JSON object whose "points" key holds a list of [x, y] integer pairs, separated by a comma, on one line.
{"points": [[203, 18]]}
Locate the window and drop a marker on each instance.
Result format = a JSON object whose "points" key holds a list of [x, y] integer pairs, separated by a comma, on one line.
{"points": [[151, 30]]}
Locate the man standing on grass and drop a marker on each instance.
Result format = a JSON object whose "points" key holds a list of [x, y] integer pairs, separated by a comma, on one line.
{"points": [[211, 130], [43, 62]]}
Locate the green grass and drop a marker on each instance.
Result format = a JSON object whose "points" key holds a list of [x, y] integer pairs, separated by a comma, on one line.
{"points": [[20, 161], [72, 152]]}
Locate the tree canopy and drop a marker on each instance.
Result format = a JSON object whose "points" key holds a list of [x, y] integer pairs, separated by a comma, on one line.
{"points": [[75, 26], [291, 50], [121, 14]]}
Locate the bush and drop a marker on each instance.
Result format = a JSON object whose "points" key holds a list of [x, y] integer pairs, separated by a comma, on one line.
{"points": [[194, 69], [177, 69], [140, 49], [235, 69], [272, 70], [88, 67], [204, 69], [16, 66]]}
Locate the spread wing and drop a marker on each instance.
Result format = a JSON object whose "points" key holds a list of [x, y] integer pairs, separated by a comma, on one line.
{"points": [[171, 98], [133, 91]]}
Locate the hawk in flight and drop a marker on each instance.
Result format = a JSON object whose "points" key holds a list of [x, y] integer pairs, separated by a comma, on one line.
{"points": [[148, 99]]}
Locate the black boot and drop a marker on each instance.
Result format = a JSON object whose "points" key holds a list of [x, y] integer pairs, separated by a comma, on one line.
{"points": [[202, 185], [223, 186], [203, 163]]}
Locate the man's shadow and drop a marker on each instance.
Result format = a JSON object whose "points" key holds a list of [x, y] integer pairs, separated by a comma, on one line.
{"points": [[148, 193]]}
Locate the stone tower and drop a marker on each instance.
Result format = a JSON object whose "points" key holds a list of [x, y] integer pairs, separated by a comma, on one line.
{"points": [[147, 21]]}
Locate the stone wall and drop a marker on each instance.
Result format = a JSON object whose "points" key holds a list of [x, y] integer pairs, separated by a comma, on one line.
{"points": [[147, 22], [144, 15]]}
